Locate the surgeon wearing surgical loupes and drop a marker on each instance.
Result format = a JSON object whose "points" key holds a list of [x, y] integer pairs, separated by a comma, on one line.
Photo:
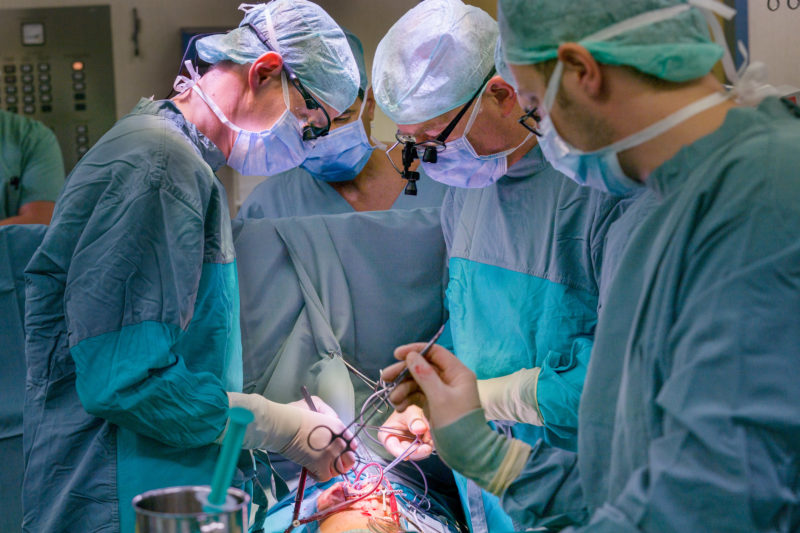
{"points": [[344, 171], [689, 419], [133, 347], [524, 241]]}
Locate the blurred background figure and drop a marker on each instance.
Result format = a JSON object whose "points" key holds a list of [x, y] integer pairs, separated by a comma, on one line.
{"points": [[31, 170]]}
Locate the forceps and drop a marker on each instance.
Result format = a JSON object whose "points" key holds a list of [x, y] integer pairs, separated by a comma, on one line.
{"points": [[326, 435]]}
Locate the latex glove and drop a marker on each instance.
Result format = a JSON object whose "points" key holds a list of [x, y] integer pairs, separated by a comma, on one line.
{"points": [[412, 421], [445, 389], [284, 428], [511, 397], [449, 394]]}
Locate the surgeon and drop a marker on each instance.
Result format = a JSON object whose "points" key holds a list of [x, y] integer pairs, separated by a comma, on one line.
{"points": [[133, 340], [524, 241], [689, 419], [345, 171]]}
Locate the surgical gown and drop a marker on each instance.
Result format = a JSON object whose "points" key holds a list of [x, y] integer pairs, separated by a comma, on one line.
{"points": [[296, 193], [689, 419], [525, 260], [132, 323]]}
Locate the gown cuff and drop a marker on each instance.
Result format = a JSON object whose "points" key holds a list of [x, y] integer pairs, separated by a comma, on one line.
{"points": [[472, 448]]}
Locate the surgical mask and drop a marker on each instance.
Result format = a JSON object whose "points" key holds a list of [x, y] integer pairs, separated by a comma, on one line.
{"points": [[600, 169], [342, 154], [459, 165], [257, 153]]}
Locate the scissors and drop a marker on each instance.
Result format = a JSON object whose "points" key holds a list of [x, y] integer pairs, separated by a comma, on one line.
{"points": [[326, 435]]}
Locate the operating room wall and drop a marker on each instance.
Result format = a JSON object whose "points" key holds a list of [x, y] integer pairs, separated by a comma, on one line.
{"points": [[774, 38]]}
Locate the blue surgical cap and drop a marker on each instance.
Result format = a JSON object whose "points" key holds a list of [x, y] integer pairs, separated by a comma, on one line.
{"points": [[433, 60], [358, 54], [676, 49], [305, 36]]}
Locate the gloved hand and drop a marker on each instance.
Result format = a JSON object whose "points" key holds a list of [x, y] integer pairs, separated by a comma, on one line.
{"points": [[448, 392], [511, 397], [285, 428], [412, 422], [450, 389]]}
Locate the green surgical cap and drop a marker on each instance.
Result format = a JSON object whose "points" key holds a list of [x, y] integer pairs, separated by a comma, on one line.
{"points": [[677, 49], [501, 66], [305, 36], [358, 54], [433, 60]]}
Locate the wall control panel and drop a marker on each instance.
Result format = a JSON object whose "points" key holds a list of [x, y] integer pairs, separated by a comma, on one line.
{"points": [[56, 66]]}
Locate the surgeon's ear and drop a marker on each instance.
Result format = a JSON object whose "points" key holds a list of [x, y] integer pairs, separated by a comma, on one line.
{"points": [[503, 94], [369, 106], [578, 61], [263, 69]]}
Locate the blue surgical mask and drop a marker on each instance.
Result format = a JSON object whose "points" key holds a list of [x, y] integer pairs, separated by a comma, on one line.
{"points": [[459, 165], [257, 153], [340, 155], [600, 169]]}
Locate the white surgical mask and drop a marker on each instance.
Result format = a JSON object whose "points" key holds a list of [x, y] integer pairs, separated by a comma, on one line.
{"points": [[600, 169], [257, 153], [342, 154], [459, 165]]}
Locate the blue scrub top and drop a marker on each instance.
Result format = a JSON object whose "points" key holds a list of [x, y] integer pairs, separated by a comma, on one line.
{"points": [[297, 193], [525, 260], [31, 167]]}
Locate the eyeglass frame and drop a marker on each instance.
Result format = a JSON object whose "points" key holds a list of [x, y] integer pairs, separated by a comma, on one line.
{"points": [[530, 115], [310, 132], [438, 144]]}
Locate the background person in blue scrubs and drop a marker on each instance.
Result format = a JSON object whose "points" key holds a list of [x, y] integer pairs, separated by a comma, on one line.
{"points": [[343, 172], [31, 170]]}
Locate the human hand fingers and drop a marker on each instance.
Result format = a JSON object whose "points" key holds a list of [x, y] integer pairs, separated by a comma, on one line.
{"points": [[389, 373], [402, 391], [422, 451], [450, 390], [345, 462], [401, 352]]}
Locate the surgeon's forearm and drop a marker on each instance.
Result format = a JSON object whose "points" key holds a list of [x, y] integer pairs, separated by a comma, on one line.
{"points": [[148, 389], [31, 213], [470, 447]]}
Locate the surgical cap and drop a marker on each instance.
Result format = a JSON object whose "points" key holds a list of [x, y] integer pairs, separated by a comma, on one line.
{"points": [[305, 36], [677, 49], [433, 60], [358, 54], [500, 64]]}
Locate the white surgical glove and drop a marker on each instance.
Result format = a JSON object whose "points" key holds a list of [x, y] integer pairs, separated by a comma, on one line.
{"points": [[284, 428], [401, 429], [511, 397]]}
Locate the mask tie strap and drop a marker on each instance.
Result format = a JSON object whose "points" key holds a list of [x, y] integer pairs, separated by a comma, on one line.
{"points": [[668, 122], [192, 84], [182, 83]]}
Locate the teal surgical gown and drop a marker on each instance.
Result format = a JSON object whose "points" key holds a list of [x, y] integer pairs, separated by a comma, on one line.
{"points": [[132, 320], [296, 193], [31, 168], [525, 260], [689, 419]]}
